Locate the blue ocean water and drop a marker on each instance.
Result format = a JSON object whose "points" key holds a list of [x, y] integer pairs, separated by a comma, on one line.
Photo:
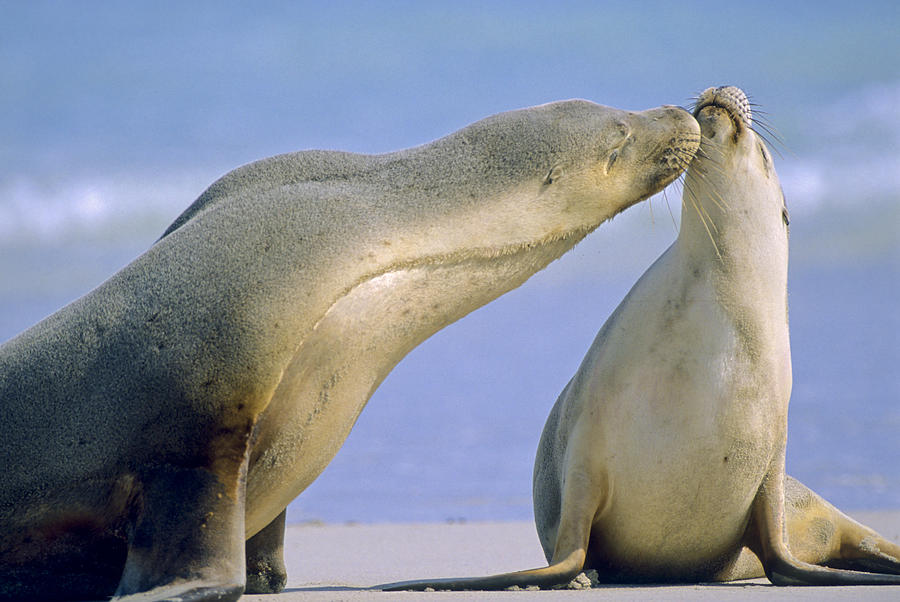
{"points": [[116, 117]]}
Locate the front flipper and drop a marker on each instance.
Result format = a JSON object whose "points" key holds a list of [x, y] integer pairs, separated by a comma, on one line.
{"points": [[556, 574], [266, 573], [781, 566], [581, 498], [187, 542]]}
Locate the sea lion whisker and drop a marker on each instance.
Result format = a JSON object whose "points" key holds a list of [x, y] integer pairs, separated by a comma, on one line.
{"points": [[761, 118], [683, 158], [701, 173], [706, 212], [711, 150], [692, 103], [711, 160], [706, 227], [715, 195], [702, 177], [717, 199], [669, 208], [776, 143], [712, 168]]}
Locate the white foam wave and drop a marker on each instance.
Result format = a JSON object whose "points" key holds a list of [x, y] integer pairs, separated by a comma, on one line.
{"points": [[44, 210], [813, 184], [855, 154], [852, 157], [873, 108]]}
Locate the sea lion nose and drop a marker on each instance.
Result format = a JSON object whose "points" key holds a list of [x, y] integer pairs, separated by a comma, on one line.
{"points": [[730, 97]]}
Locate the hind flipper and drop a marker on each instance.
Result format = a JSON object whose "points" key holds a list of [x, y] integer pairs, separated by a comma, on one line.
{"points": [[186, 540], [782, 567], [819, 533], [266, 573], [555, 574], [580, 501], [567, 562]]}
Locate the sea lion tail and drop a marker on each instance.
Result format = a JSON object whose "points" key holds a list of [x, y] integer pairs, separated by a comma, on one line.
{"points": [[558, 573]]}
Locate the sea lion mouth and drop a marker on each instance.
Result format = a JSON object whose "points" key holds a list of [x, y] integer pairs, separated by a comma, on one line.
{"points": [[731, 99]]}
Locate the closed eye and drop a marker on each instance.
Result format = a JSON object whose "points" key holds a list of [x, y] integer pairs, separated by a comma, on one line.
{"points": [[553, 175], [612, 159]]}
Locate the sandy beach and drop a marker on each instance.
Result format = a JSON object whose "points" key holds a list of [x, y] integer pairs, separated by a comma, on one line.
{"points": [[340, 562]]}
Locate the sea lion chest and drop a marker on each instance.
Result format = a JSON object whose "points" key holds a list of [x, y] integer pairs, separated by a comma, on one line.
{"points": [[686, 421]]}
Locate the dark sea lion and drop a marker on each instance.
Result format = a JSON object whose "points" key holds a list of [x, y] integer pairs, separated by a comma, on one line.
{"points": [[663, 458], [155, 424]]}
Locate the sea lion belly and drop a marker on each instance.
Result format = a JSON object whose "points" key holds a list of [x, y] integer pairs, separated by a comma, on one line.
{"points": [[684, 436]]}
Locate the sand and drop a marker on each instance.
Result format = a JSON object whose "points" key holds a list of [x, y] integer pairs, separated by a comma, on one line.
{"points": [[339, 562]]}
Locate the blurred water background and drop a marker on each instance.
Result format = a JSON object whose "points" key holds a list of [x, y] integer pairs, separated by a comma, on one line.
{"points": [[115, 116]]}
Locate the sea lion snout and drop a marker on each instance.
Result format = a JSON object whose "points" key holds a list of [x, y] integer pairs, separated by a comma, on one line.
{"points": [[678, 135], [685, 126], [731, 99]]}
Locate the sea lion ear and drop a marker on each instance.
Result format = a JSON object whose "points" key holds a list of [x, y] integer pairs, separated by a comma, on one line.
{"points": [[785, 216], [555, 173]]}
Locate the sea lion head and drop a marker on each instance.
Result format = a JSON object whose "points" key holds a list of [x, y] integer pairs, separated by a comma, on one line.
{"points": [[726, 123], [629, 157], [733, 161], [728, 133], [542, 177]]}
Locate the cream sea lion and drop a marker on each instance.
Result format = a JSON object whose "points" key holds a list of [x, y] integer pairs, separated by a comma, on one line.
{"points": [[663, 458], [152, 426]]}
